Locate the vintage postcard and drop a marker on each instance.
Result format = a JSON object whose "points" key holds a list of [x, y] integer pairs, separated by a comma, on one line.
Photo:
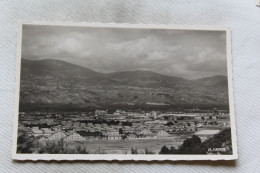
{"points": [[123, 92]]}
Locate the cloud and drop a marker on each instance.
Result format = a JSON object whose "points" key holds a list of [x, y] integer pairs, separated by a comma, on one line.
{"points": [[184, 53]]}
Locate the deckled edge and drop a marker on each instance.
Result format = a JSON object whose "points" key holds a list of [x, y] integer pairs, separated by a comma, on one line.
{"points": [[113, 157]]}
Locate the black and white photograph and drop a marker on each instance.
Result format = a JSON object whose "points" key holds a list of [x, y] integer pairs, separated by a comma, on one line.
{"points": [[123, 92]]}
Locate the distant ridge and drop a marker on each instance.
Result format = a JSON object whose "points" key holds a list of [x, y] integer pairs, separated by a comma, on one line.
{"points": [[57, 82], [219, 81]]}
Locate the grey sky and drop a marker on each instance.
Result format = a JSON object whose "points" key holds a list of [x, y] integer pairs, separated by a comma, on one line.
{"points": [[183, 53]]}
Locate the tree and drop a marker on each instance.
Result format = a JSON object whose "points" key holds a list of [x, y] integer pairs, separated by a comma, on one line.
{"points": [[52, 148], [25, 143], [133, 150], [191, 141], [148, 151], [185, 148], [164, 150], [127, 123], [169, 123], [120, 131]]}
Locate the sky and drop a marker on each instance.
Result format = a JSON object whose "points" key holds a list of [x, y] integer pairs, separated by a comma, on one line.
{"points": [[190, 54]]}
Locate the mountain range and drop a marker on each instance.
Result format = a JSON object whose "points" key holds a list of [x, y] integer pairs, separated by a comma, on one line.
{"points": [[58, 82]]}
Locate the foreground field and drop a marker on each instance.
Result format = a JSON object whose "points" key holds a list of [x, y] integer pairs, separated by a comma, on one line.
{"points": [[142, 146]]}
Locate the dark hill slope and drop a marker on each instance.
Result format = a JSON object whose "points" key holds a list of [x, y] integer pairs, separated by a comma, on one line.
{"points": [[58, 82], [146, 79], [214, 81]]}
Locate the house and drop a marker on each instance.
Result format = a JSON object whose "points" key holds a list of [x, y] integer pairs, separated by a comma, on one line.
{"points": [[119, 112], [90, 124], [90, 135], [128, 129], [162, 133], [104, 132], [113, 135], [64, 123], [131, 136], [76, 125], [47, 131], [42, 140], [100, 112], [36, 131], [146, 115], [145, 132], [160, 121], [197, 117], [82, 125], [113, 132], [57, 136], [154, 115], [74, 137], [50, 121], [56, 128]]}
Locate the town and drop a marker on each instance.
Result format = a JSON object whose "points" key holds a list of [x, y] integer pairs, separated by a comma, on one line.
{"points": [[121, 132]]}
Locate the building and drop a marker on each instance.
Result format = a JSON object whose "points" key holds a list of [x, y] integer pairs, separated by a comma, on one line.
{"points": [[36, 131], [47, 131], [162, 133], [82, 125], [100, 112], [76, 125], [57, 136], [160, 121], [113, 135], [119, 112], [74, 137], [131, 136], [50, 121], [113, 132], [145, 132], [64, 123], [90, 124], [154, 115], [128, 129]]}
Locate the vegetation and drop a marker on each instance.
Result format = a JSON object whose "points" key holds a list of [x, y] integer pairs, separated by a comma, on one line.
{"points": [[169, 123], [127, 123], [194, 145], [52, 148], [58, 147], [148, 151], [133, 150], [25, 143]]}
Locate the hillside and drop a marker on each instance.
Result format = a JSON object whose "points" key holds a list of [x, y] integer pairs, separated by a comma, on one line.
{"points": [[58, 82], [214, 81], [146, 79]]}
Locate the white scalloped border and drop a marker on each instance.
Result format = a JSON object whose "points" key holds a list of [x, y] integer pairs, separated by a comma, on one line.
{"points": [[119, 157]]}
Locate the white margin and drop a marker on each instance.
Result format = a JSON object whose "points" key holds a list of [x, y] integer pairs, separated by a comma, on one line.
{"points": [[110, 157]]}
